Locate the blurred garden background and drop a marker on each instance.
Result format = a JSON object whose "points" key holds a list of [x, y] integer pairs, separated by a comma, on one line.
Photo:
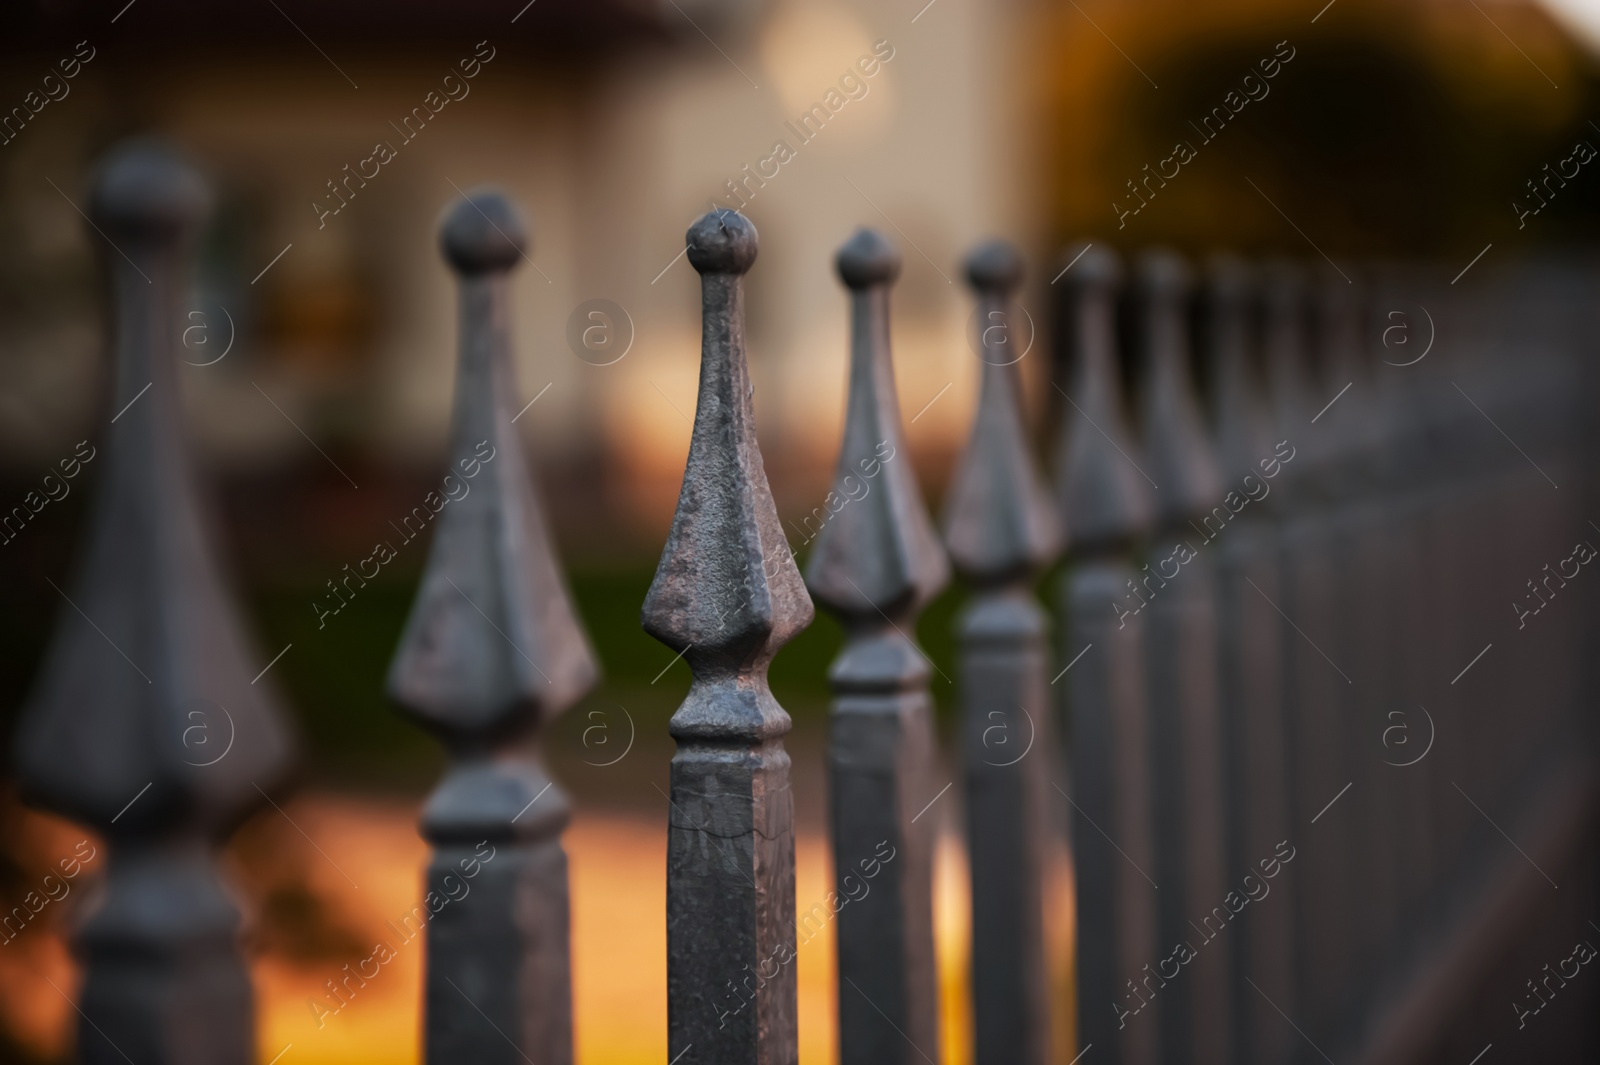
{"points": [[1405, 130]]}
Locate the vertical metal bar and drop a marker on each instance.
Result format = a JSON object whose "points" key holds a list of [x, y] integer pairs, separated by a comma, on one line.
{"points": [[490, 654], [1312, 679], [1250, 666], [727, 596], [1001, 528], [149, 646], [1103, 496], [1358, 626], [1419, 670], [875, 565], [1196, 908]]}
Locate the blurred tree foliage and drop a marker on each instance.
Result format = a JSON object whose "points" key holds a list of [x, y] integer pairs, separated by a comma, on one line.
{"points": [[1396, 129]]}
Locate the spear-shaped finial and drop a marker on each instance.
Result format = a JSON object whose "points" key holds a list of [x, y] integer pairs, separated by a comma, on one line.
{"points": [[146, 722], [1249, 661], [727, 596], [876, 563], [1309, 592], [1103, 494], [1181, 651], [878, 553], [1000, 523], [1243, 424], [1175, 439], [491, 652], [1284, 341], [1344, 387], [1001, 527]]}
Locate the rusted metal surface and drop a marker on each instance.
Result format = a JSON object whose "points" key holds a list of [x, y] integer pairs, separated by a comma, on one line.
{"points": [[727, 596], [491, 653], [1284, 666]]}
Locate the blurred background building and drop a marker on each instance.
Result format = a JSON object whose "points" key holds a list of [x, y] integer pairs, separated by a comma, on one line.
{"points": [[323, 342]]}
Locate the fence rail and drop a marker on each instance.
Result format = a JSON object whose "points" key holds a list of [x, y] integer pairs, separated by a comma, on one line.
{"points": [[1326, 797]]}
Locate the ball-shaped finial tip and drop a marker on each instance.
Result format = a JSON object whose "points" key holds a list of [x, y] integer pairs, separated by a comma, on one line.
{"points": [[1163, 273], [867, 259], [722, 242], [146, 192], [1089, 265], [994, 266], [483, 232]]}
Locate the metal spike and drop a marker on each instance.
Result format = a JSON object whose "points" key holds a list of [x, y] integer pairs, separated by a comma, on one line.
{"points": [[490, 653], [1002, 532], [1104, 498], [1311, 681], [998, 522], [1288, 371], [1249, 665], [148, 647], [1181, 647], [1181, 461], [1103, 493], [875, 564], [1243, 424], [727, 596]]}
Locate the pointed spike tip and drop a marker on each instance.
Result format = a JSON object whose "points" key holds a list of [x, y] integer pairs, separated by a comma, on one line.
{"points": [[1091, 266], [994, 266], [867, 259], [484, 232], [1164, 274], [722, 242], [146, 192]]}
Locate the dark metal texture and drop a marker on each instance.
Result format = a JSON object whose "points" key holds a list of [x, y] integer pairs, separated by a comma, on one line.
{"points": [[1249, 672], [1191, 514], [727, 596], [1311, 679], [875, 565], [1290, 692], [1001, 527], [1360, 638], [148, 647], [1104, 497], [491, 653]]}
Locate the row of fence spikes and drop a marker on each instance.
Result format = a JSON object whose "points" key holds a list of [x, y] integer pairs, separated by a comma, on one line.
{"points": [[1177, 729]]}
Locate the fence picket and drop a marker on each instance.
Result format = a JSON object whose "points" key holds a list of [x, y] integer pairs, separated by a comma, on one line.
{"points": [[1181, 648], [727, 596], [491, 653], [1002, 531], [1251, 636], [149, 647], [1104, 499], [875, 565]]}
